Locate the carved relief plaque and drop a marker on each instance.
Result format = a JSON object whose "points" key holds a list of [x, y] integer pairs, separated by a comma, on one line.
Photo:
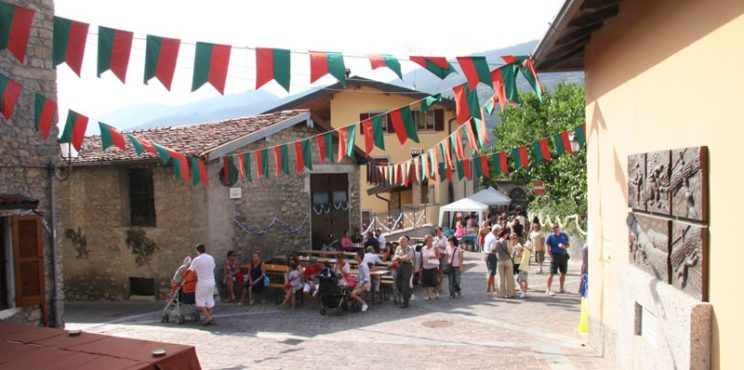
{"points": [[636, 181], [689, 259], [689, 183], [649, 244], [656, 187]]}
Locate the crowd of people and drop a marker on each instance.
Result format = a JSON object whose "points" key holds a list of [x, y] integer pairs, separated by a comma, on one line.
{"points": [[506, 246]]}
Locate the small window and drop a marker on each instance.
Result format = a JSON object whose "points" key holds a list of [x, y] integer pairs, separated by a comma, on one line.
{"points": [[424, 121], [141, 197]]}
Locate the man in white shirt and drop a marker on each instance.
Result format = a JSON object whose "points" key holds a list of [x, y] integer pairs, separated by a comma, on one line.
{"points": [[204, 266], [380, 238], [489, 254], [371, 258], [363, 281], [440, 243]]}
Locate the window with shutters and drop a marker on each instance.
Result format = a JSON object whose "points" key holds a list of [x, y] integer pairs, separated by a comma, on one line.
{"points": [[28, 260], [374, 164], [432, 120], [424, 121], [141, 197]]}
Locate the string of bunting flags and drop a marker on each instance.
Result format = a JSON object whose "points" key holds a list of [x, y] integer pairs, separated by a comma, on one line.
{"points": [[210, 66]]}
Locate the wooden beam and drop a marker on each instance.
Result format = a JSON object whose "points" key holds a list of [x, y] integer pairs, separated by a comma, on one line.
{"points": [[567, 49], [577, 34], [596, 5], [565, 62], [595, 17]]}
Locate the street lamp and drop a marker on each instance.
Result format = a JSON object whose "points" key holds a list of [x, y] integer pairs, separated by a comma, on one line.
{"points": [[69, 155]]}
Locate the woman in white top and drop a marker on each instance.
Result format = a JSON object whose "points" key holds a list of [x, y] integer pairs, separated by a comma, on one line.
{"points": [[537, 240], [430, 267], [440, 243]]}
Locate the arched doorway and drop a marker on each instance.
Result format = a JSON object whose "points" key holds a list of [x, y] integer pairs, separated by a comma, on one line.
{"points": [[518, 197]]}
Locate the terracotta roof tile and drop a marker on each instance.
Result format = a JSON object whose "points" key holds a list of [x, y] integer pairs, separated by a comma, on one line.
{"points": [[191, 140]]}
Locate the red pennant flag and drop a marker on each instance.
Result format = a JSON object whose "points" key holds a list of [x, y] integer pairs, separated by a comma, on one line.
{"points": [[321, 147], [446, 149], [521, 156], [203, 175], [448, 172], [398, 125], [114, 47], [544, 149], [484, 165], [44, 111], [466, 168], [476, 70], [299, 157], [385, 60], [183, 165], [369, 139], [566, 142], [439, 66], [472, 140], [160, 59], [241, 166], [499, 89], [343, 138], [69, 43], [111, 136], [74, 131], [503, 163], [210, 65], [434, 164], [273, 64], [15, 28], [9, 92], [322, 63]]}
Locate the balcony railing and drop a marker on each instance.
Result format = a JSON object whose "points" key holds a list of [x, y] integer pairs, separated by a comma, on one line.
{"points": [[410, 217]]}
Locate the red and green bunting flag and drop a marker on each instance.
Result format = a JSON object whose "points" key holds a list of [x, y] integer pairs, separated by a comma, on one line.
{"points": [[472, 141], [245, 162], [457, 143], [9, 92], [272, 64], [229, 173], [141, 145], [198, 166], [481, 131], [281, 159], [114, 47], [475, 167], [429, 101], [467, 104], [542, 151], [385, 60], [562, 143], [74, 131], [303, 156], [15, 27], [240, 163], [527, 68], [500, 163], [323, 63], [505, 83], [439, 66], [325, 146], [445, 148], [404, 125], [433, 165], [460, 169], [69, 43], [181, 166], [262, 163], [519, 156], [484, 166], [44, 112], [476, 70], [160, 59], [111, 136], [210, 65], [580, 134], [346, 138], [163, 152]]}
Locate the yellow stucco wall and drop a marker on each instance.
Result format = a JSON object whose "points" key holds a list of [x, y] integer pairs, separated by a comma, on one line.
{"points": [[346, 107], [668, 74]]}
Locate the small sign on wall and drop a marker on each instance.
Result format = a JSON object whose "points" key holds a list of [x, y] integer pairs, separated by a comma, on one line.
{"points": [[236, 193]]}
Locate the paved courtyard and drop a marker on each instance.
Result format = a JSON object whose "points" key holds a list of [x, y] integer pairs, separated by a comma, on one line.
{"points": [[476, 331]]}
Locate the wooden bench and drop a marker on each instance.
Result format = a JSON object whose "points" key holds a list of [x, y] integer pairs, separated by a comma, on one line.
{"points": [[278, 276]]}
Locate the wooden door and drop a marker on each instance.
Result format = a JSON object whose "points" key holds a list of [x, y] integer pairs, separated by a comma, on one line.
{"points": [[330, 206]]}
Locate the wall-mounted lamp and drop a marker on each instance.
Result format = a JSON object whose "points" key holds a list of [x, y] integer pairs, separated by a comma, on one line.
{"points": [[68, 154]]}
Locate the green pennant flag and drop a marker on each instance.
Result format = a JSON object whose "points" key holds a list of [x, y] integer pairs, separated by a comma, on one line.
{"points": [[377, 131], [74, 131], [405, 126], [247, 165], [350, 140], [330, 153], [527, 68], [442, 169], [229, 174], [283, 151], [273, 64], [519, 157], [562, 143], [476, 166], [44, 111], [160, 59], [323, 63], [210, 65], [307, 156], [69, 43], [580, 134], [386, 60], [265, 162], [199, 170], [509, 73], [163, 153], [460, 169], [111, 136], [466, 103], [480, 131], [15, 29], [429, 101], [114, 47]]}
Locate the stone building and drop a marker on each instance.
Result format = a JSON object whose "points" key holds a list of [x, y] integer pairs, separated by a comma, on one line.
{"points": [[111, 193], [30, 259]]}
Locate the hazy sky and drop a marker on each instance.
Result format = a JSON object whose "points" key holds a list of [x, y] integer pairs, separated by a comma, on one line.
{"points": [[402, 28]]}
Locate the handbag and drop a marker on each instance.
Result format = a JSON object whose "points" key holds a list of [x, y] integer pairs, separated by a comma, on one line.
{"points": [[448, 268]]}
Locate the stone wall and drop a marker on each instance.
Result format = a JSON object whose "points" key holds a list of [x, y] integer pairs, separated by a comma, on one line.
{"points": [[25, 155], [95, 203]]}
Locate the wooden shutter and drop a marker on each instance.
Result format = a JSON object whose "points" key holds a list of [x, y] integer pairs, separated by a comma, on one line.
{"points": [[438, 120], [28, 253], [390, 127]]}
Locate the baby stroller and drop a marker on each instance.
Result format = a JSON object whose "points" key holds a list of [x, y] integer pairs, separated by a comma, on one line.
{"points": [[331, 295], [181, 305]]}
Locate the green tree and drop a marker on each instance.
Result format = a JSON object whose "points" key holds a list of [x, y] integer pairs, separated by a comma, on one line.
{"points": [[565, 176]]}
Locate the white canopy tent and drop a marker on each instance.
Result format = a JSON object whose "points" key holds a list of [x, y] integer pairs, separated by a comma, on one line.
{"points": [[465, 205], [491, 197]]}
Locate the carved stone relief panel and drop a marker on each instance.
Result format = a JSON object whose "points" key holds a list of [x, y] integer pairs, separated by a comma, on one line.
{"points": [[689, 183], [636, 181], [658, 174], [689, 259], [649, 244]]}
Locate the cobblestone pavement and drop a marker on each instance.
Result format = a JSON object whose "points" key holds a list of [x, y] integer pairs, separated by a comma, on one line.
{"points": [[475, 331]]}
